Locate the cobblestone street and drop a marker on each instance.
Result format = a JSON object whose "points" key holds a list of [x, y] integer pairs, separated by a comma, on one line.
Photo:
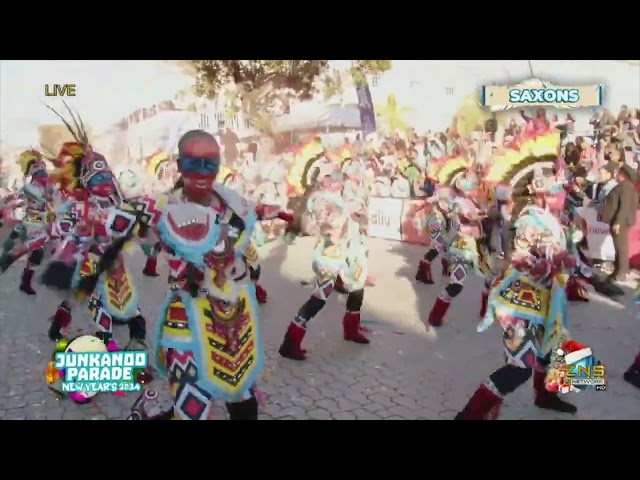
{"points": [[408, 372]]}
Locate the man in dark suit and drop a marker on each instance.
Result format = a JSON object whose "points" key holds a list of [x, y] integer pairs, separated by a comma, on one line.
{"points": [[619, 213]]}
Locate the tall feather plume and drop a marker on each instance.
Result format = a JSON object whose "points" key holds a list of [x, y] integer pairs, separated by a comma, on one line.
{"points": [[82, 135], [84, 130], [69, 127]]}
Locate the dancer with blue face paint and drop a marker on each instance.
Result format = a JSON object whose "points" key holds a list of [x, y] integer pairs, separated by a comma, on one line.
{"points": [[208, 337]]}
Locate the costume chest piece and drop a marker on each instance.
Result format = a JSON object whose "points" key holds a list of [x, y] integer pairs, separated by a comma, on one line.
{"points": [[197, 234]]}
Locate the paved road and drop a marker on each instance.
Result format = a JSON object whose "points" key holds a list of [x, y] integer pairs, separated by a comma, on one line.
{"points": [[408, 371]]}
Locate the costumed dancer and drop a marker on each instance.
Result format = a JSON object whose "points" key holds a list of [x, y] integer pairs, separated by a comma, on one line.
{"points": [[208, 337], [530, 304], [340, 252], [160, 169], [550, 193], [96, 213], [354, 193], [439, 223], [31, 232], [465, 252]]}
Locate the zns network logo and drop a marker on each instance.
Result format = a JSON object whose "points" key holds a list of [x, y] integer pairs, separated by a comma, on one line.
{"points": [[581, 371]]}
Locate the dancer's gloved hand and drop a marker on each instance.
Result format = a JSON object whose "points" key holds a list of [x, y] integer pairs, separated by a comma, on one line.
{"points": [[485, 324]]}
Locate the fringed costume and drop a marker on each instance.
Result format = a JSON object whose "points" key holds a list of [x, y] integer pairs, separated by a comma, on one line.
{"points": [[32, 229], [456, 230], [91, 221], [208, 338], [530, 304], [439, 224], [339, 263]]}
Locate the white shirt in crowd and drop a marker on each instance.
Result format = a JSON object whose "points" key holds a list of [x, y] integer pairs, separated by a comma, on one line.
{"points": [[388, 162]]}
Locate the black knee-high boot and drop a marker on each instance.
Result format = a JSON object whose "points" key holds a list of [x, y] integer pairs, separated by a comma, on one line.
{"points": [[247, 410]]}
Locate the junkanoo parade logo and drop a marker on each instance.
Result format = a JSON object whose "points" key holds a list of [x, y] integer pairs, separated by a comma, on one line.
{"points": [[84, 366]]}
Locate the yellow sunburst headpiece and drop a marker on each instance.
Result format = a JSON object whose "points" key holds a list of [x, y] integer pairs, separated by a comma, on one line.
{"points": [[307, 154], [446, 170], [506, 168], [156, 161], [28, 160]]}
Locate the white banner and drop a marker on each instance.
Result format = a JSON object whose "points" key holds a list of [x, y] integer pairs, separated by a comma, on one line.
{"points": [[598, 237], [385, 217]]}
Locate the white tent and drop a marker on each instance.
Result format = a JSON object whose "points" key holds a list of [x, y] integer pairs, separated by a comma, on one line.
{"points": [[313, 115]]}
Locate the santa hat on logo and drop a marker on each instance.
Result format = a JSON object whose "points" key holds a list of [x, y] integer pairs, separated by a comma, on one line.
{"points": [[574, 352], [568, 353]]}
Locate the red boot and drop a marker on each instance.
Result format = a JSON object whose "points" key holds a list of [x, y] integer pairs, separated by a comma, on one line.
{"points": [[290, 347], [445, 267], [575, 291], [150, 267], [546, 399], [438, 312], [485, 404], [352, 330], [261, 294], [424, 273], [340, 286], [25, 285], [484, 304], [61, 319]]}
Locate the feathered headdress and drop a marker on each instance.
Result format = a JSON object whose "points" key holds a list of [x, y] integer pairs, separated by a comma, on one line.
{"points": [[446, 170], [301, 175], [68, 163], [156, 162], [29, 161], [515, 163]]}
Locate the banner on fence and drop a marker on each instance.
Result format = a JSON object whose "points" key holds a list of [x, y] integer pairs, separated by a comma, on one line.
{"points": [[600, 241], [404, 220], [414, 217], [598, 237], [385, 216]]}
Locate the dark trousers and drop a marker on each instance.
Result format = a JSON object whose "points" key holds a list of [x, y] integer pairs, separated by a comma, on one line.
{"points": [[621, 244]]}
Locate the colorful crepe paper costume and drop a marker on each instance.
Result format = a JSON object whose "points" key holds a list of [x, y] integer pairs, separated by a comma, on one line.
{"points": [[340, 262], [530, 305], [456, 232], [208, 338], [90, 221], [32, 231]]}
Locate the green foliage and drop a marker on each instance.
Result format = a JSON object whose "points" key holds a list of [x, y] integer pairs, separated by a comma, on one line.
{"points": [[392, 117], [254, 86], [212, 76]]}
